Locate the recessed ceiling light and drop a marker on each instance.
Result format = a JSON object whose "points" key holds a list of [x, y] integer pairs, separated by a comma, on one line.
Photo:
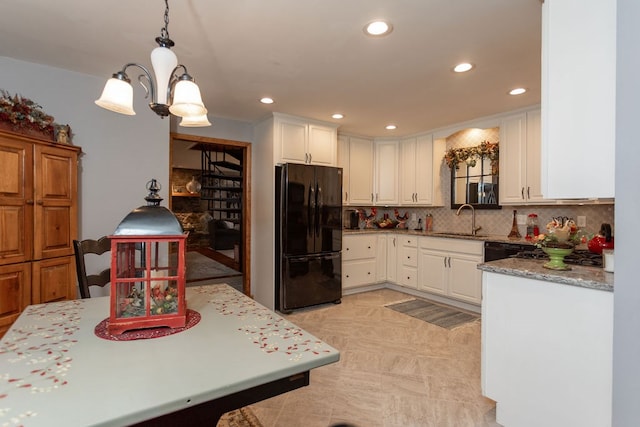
{"points": [[266, 100], [378, 28], [517, 91], [391, 127], [338, 116], [463, 67]]}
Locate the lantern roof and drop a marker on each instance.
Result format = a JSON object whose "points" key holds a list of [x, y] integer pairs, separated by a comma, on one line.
{"points": [[150, 220]]}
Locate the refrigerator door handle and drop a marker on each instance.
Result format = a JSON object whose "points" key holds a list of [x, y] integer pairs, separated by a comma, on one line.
{"points": [[311, 217], [319, 204]]}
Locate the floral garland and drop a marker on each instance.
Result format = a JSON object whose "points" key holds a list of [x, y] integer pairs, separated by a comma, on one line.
{"points": [[487, 149], [23, 113]]}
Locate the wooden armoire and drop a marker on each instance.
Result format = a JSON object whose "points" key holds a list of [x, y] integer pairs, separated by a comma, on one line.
{"points": [[38, 223]]}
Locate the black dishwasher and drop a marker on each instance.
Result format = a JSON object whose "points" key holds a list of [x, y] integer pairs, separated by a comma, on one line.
{"points": [[500, 250]]}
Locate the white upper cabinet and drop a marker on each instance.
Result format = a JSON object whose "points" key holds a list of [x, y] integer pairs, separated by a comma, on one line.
{"points": [[298, 140], [386, 173], [357, 155], [343, 162], [322, 146], [420, 159], [578, 98], [520, 167]]}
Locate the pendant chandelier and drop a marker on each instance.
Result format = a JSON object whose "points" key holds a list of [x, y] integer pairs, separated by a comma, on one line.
{"points": [[170, 92]]}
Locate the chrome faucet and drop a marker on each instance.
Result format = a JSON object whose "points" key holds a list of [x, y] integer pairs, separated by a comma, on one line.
{"points": [[474, 230]]}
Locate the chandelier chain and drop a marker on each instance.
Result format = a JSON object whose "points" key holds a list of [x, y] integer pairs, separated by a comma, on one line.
{"points": [[164, 33]]}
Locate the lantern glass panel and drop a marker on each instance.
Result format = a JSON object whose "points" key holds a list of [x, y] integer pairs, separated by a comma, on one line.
{"points": [[147, 278]]}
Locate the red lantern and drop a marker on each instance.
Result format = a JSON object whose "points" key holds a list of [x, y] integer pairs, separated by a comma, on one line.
{"points": [[148, 269]]}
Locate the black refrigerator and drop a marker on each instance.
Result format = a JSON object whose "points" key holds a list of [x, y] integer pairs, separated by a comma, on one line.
{"points": [[308, 236]]}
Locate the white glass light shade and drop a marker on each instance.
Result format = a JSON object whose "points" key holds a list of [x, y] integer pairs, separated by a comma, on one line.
{"points": [[164, 61], [187, 100], [195, 121], [117, 96]]}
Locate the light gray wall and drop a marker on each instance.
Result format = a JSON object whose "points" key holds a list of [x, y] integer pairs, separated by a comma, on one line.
{"points": [[119, 153], [626, 329], [222, 128]]}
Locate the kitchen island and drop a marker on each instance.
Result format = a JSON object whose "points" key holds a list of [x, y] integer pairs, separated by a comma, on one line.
{"points": [[547, 343], [59, 369]]}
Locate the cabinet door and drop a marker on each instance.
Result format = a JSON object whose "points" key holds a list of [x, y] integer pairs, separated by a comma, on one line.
{"points": [[343, 162], [15, 292], [465, 280], [55, 213], [386, 173], [432, 276], [54, 280], [579, 109], [360, 171], [16, 201], [392, 257], [292, 140], [381, 259], [322, 146], [513, 133], [408, 176], [420, 161], [429, 155], [534, 158]]}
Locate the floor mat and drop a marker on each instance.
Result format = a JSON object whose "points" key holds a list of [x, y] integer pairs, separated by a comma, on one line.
{"points": [[439, 315]]}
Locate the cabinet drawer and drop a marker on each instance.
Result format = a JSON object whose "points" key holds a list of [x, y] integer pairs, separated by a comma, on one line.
{"points": [[356, 273], [409, 241], [359, 247], [409, 256], [408, 276]]}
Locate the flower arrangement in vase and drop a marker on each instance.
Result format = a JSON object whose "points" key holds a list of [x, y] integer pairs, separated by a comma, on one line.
{"points": [[559, 241]]}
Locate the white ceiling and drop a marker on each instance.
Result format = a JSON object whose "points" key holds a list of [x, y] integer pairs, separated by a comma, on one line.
{"points": [[311, 56]]}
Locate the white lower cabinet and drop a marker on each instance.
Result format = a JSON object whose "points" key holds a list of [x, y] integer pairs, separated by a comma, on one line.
{"points": [[408, 261], [391, 258], [434, 265], [381, 257], [359, 260], [448, 267]]}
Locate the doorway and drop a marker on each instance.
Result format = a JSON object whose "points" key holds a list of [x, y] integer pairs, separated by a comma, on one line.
{"points": [[210, 195]]}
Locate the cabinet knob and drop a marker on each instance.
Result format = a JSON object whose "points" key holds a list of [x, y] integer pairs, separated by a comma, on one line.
{"points": [[368, 247], [29, 202], [522, 192]]}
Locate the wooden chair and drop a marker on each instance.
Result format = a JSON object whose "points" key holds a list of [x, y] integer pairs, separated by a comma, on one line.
{"points": [[97, 247]]}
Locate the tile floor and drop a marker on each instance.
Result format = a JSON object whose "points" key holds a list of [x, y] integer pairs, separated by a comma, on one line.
{"points": [[394, 371]]}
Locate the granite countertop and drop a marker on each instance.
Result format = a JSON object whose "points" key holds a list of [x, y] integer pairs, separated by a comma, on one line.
{"points": [[579, 275], [441, 234]]}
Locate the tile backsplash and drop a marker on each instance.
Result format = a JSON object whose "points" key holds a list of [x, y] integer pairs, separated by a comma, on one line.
{"points": [[499, 221]]}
